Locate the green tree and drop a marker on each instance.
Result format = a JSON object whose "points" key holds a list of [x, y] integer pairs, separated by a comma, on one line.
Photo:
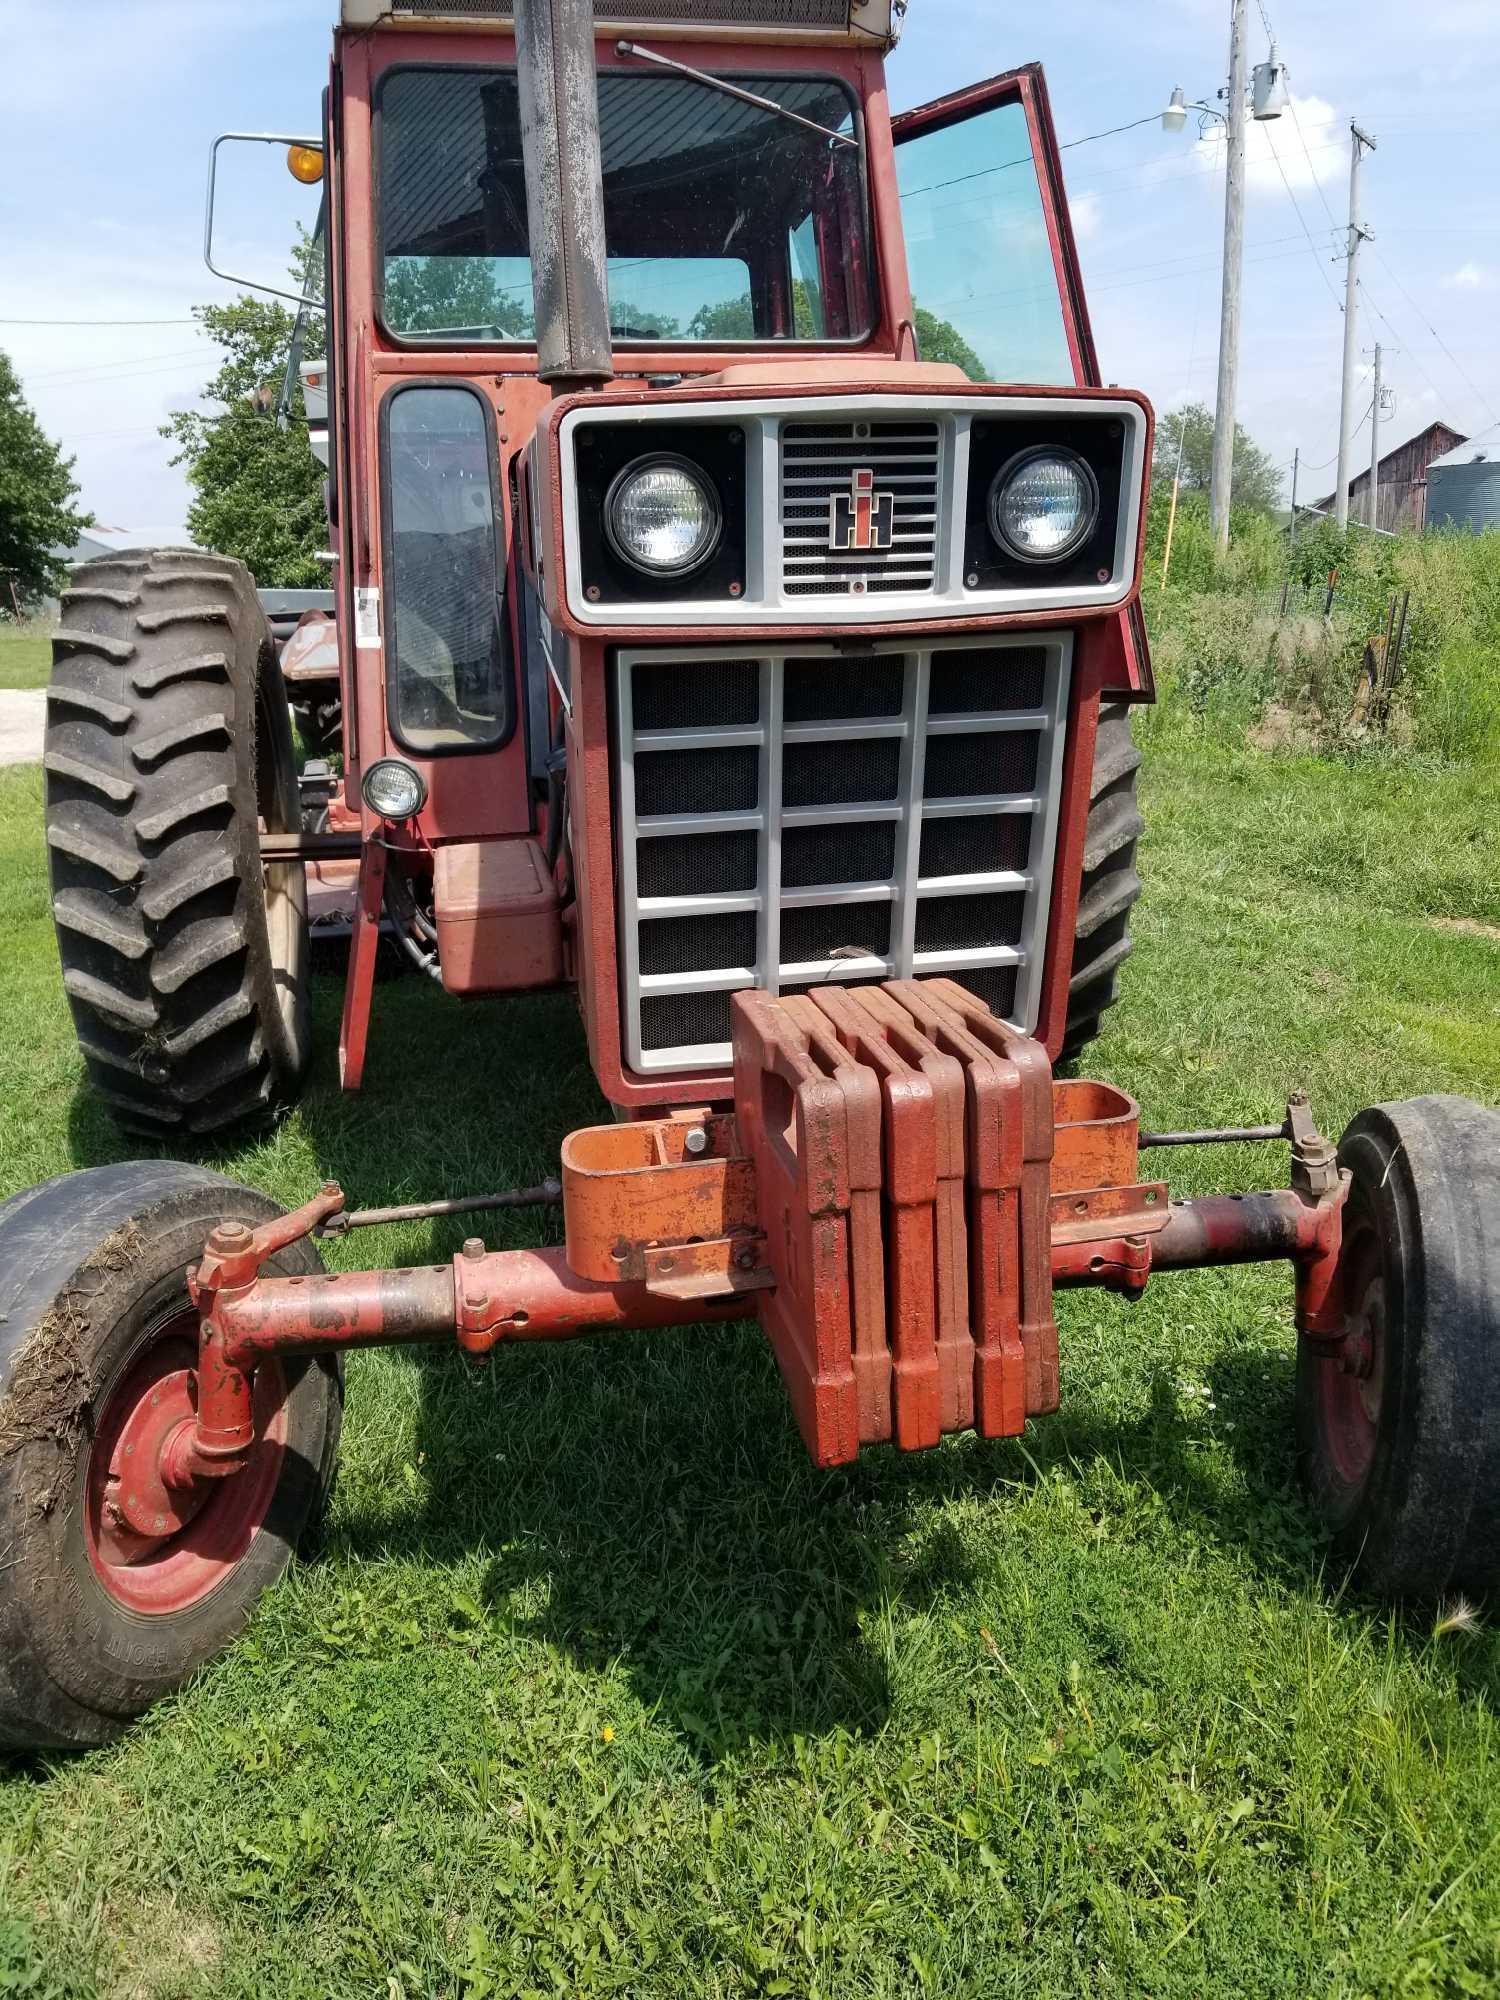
{"points": [[939, 340], [1257, 477], [36, 485], [257, 489]]}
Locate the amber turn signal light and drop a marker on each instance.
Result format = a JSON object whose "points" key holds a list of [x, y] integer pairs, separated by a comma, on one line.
{"points": [[305, 164]]}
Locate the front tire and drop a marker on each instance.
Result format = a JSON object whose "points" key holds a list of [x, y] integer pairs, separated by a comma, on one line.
{"points": [[1399, 1436], [116, 1588], [168, 748], [1111, 886]]}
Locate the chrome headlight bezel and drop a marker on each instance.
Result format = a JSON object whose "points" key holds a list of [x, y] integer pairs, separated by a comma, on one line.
{"points": [[657, 461], [369, 779], [1088, 519]]}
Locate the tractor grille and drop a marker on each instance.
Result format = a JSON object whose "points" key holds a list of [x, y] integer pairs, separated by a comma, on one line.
{"points": [[818, 465], [791, 820]]}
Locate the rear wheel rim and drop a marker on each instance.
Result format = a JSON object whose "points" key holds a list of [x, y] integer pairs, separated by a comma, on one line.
{"points": [[1351, 1384], [155, 1549]]}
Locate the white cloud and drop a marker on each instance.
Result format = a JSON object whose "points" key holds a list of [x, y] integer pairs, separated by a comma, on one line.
{"points": [[1086, 211], [1305, 148], [1471, 277]]}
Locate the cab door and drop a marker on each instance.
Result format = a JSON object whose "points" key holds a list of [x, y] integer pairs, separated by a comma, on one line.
{"points": [[995, 280], [989, 243]]}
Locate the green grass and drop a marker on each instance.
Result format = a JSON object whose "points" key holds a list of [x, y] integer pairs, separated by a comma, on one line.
{"points": [[25, 656], [599, 1688]]}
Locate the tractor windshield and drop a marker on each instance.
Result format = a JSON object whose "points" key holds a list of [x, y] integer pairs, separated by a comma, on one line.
{"points": [[724, 221]]}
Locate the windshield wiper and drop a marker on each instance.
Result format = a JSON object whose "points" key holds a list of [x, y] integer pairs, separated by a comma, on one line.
{"points": [[733, 90]]}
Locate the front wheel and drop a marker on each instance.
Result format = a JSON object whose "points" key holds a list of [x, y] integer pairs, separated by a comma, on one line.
{"points": [[117, 1584], [1399, 1434]]}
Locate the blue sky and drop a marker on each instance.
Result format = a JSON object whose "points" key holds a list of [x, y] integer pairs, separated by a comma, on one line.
{"points": [[111, 105]]}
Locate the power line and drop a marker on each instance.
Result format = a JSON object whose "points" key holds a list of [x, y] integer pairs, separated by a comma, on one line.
{"points": [[99, 323], [1474, 388], [1317, 259], [1291, 105]]}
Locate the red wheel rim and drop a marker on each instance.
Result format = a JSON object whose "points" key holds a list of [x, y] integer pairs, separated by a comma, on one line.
{"points": [[157, 1548], [1351, 1385]]}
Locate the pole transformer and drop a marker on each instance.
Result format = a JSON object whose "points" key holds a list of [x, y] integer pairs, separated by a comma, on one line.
{"points": [[1221, 484], [1359, 142]]}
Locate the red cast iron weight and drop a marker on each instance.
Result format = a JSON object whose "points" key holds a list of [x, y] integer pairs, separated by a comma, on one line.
{"points": [[1003, 1370], [945, 1074], [872, 1354], [794, 1124]]}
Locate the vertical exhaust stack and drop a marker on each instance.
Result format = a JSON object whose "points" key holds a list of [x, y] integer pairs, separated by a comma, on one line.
{"points": [[564, 190]]}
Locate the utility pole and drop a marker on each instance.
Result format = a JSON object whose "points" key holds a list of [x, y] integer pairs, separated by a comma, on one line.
{"points": [[1375, 446], [1296, 464], [1221, 484], [1359, 141]]}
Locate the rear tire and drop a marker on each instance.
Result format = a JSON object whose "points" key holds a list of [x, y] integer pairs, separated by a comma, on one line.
{"points": [[1111, 886], [1399, 1439], [94, 1310], [168, 745]]}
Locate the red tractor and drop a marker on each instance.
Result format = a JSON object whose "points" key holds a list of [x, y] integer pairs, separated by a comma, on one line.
{"points": [[735, 618]]}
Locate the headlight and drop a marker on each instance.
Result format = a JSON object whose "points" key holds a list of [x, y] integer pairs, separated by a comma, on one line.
{"points": [[1043, 505], [662, 517], [393, 789]]}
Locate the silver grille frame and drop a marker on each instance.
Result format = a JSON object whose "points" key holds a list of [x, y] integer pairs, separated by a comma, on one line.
{"points": [[765, 599], [906, 891]]}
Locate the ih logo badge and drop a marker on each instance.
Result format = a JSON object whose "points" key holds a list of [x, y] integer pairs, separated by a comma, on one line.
{"points": [[863, 521]]}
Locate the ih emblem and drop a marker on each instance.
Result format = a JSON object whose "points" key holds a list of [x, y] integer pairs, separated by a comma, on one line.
{"points": [[863, 521]]}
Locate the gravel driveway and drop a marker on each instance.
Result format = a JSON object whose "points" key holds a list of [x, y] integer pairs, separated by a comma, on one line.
{"points": [[23, 715]]}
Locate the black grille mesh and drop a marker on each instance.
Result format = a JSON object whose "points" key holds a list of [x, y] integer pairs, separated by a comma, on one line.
{"points": [[684, 1020], [843, 690], [840, 774], [697, 781], [720, 694], [993, 761], [818, 933], [970, 923], [821, 782], [975, 844], [995, 986], [816, 857], [970, 683], [698, 864], [698, 944]]}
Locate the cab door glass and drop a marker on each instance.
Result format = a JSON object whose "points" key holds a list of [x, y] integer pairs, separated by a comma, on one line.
{"points": [[445, 677], [983, 277]]}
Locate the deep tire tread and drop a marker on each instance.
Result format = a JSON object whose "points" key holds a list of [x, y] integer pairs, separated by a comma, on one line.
{"points": [[151, 788], [1111, 885]]}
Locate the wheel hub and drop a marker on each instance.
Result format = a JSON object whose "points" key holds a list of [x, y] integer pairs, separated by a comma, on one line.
{"points": [[159, 1536], [144, 1504], [1352, 1381]]}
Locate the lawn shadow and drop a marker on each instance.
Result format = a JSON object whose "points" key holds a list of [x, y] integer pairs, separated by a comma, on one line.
{"points": [[646, 1499]]}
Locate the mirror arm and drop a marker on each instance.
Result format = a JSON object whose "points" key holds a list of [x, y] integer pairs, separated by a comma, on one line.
{"points": [[231, 277]]}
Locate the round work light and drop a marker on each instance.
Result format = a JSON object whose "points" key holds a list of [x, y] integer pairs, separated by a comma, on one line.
{"points": [[393, 789], [662, 517], [1043, 505]]}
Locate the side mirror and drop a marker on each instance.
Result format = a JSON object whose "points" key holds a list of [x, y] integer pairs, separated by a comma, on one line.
{"points": [[304, 161]]}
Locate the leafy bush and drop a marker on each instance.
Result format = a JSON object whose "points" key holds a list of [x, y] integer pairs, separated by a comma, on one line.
{"points": [[1229, 652]]}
